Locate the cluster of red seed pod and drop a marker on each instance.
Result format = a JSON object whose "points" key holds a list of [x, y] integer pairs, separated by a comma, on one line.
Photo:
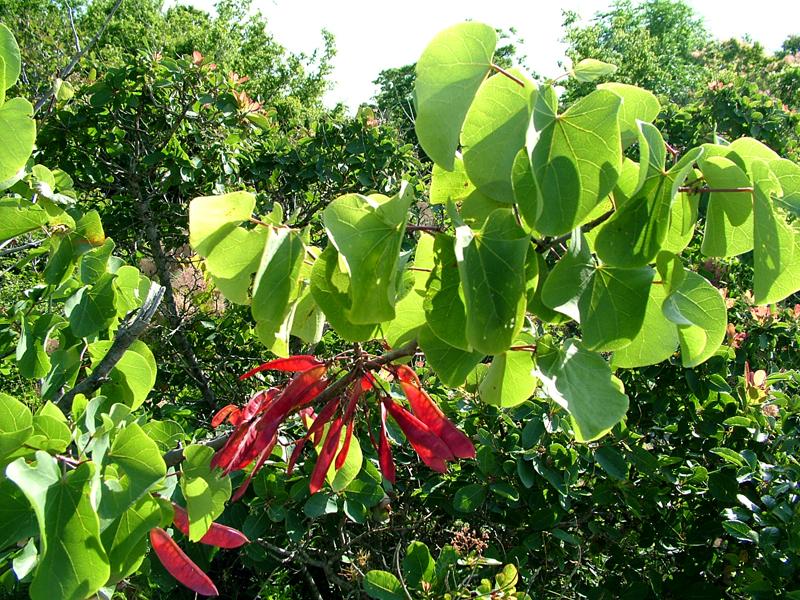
{"points": [[434, 438]]}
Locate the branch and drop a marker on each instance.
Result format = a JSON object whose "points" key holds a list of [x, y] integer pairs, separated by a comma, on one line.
{"points": [[430, 228], [70, 66], [700, 190], [21, 247], [127, 333], [543, 245], [72, 26]]}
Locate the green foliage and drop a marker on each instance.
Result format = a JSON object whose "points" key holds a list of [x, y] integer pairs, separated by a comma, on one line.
{"points": [[559, 230]]}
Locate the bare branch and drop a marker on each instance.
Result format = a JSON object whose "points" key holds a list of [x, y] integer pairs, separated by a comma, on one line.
{"points": [[127, 333], [67, 70]]}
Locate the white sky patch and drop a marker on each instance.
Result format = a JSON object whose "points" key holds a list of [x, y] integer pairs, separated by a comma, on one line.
{"points": [[372, 36]]}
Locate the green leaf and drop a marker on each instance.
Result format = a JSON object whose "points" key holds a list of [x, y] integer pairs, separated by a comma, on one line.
{"points": [[729, 217], [232, 253], [637, 105], [383, 586], [746, 150], [613, 306], [9, 53], [72, 562], [505, 491], [342, 478], [25, 561], [526, 194], [166, 434], [730, 456], [50, 429], [32, 359], [577, 160], [452, 365], [16, 514], [469, 498], [92, 308], [697, 308], [409, 311], [18, 216], [131, 289], [320, 504], [94, 263], [132, 378], [205, 491], [355, 511], [590, 69], [364, 491], [657, 338], [75, 565], [612, 462], [637, 231], [491, 263], [776, 258], [448, 75], [330, 287], [212, 218], [35, 481], [535, 304], [418, 564], [142, 466], [608, 302], [277, 283], [580, 381], [444, 300], [788, 175], [125, 539], [741, 531], [510, 379], [367, 232], [494, 131], [682, 222], [17, 137], [452, 185]]}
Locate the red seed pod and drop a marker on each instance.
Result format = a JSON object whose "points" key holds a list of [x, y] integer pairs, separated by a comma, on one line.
{"points": [[325, 456], [301, 362], [259, 403], [262, 458], [179, 565], [427, 411], [229, 412], [430, 448], [385, 459], [217, 535], [298, 449], [320, 421]]}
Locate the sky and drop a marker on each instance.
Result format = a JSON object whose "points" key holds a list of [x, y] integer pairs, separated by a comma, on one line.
{"points": [[372, 36]]}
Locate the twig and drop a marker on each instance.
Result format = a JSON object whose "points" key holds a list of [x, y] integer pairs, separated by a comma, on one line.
{"points": [[502, 71], [175, 457], [431, 228], [21, 247], [127, 333], [312, 585], [70, 66], [72, 26], [700, 190]]}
